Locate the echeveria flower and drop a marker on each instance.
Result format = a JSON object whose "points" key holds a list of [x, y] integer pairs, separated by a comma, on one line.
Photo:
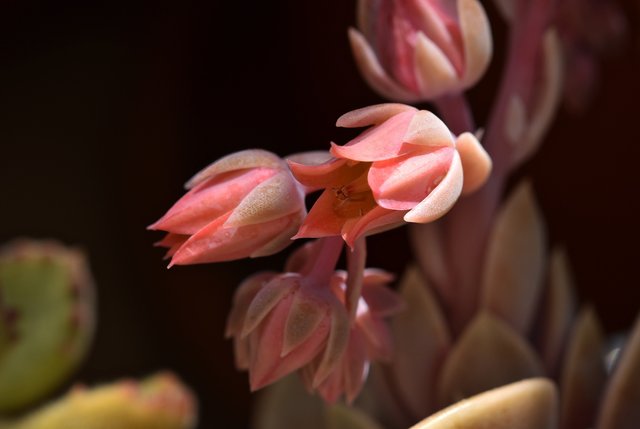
{"points": [[246, 204], [412, 50], [408, 167]]}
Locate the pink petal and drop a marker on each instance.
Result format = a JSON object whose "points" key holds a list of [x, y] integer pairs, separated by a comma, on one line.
{"points": [[477, 41], [211, 199], [334, 172], [215, 243], [380, 142], [308, 311], [372, 115], [267, 364], [245, 293], [442, 198], [374, 73], [246, 159], [402, 183], [322, 221], [267, 298], [382, 301], [427, 130], [355, 365], [476, 162], [375, 221]]}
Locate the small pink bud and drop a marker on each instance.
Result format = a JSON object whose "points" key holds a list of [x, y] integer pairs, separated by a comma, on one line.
{"points": [[417, 50], [408, 167], [288, 323], [246, 204], [369, 339]]}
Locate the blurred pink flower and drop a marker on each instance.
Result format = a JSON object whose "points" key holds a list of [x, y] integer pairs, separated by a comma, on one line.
{"points": [[281, 322], [369, 337], [406, 168], [246, 204], [413, 50]]}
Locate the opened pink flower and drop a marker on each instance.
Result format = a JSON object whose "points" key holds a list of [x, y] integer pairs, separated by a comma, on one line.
{"points": [[246, 204], [406, 168], [411, 50]]}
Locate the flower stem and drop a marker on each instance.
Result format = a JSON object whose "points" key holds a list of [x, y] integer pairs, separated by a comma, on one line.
{"points": [[356, 260], [325, 261], [455, 110]]}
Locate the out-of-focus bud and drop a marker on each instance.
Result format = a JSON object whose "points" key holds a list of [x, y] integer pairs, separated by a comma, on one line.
{"points": [[417, 50], [246, 204], [408, 167], [46, 318], [280, 323], [369, 338], [159, 402]]}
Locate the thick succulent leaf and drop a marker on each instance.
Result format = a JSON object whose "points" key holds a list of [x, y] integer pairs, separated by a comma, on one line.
{"points": [[557, 312], [287, 404], [426, 129], [487, 355], [528, 404], [514, 265], [583, 373], [421, 341], [344, 417], [548, 96], [620, 408]]}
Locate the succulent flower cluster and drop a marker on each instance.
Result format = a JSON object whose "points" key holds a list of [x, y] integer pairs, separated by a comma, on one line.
{"points": [[484, 306]]}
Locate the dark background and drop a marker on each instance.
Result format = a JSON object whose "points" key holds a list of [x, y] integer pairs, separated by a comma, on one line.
{"points": [[107, 108]]}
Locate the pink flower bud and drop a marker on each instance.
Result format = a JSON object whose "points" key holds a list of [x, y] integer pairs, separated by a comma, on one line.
{"points": [[246, 204], [408, 167], [369, 339], [280, 325], [416, 50]]}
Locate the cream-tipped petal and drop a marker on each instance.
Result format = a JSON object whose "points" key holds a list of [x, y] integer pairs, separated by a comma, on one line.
{"points": [[304, 317], [250, 158], [283, 239], [266, 299], [442, 198], [515, 123], [476, 39], [373, 72], [286, 404], [435, 73], [421, 340], [583, 375], [371, 115], [558, 310], [515, 258], [274, 198], [343, 417], [476, 162], [548, 95], [528, 404], [620, 404], [426, 129], [336, 344], [312, 157], [245, 293], [488, 354]]}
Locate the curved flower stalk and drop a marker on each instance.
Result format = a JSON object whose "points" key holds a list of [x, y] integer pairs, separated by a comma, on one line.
{"points": [[246, 204], [46, 318], [419, 50], [406, 168], [298, 320], [158, 402]]}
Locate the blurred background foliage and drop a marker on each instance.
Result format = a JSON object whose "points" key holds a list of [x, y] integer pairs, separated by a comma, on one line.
{"points": [[107, 108]]}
